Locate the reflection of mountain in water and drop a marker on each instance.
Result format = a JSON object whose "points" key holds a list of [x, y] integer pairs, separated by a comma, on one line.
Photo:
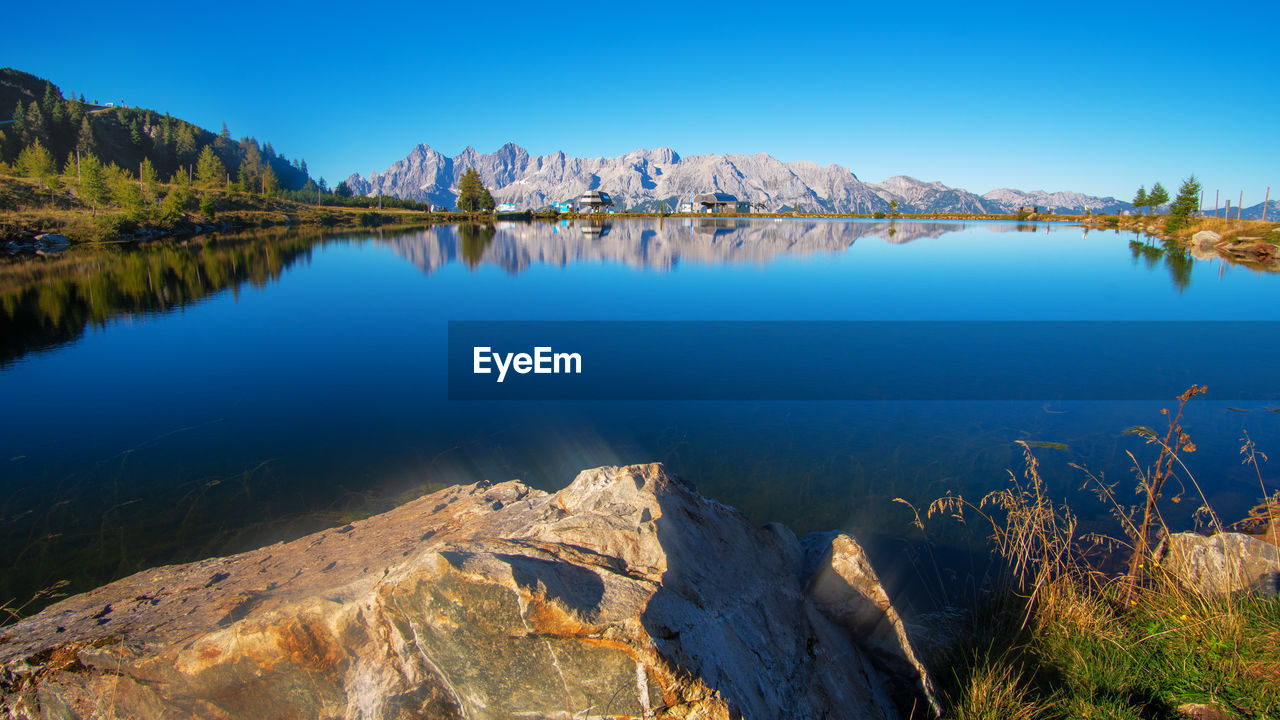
{"points": [[651, 243]]}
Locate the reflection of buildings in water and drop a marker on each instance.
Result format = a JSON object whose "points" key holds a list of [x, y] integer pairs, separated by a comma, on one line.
{"points": [[713, 226], [595, 228], [655, 243]]}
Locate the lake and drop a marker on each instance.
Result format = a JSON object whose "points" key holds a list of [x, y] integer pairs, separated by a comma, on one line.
{"points": [[175, 401]]}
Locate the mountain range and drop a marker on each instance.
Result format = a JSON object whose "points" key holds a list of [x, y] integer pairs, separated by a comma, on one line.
{"points": [[643, 179]]}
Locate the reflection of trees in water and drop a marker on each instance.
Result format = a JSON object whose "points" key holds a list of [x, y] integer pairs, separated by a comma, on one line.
{"points": [[48, 301], [1179, 261], [1175, 257], [474, 239]]}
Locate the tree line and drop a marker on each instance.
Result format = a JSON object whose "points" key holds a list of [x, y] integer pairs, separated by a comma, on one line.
{"points": [[1185, 206], [126, 137]]}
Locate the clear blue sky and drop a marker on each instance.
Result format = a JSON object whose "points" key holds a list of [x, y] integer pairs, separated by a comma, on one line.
{"points": [[1094, 97]]}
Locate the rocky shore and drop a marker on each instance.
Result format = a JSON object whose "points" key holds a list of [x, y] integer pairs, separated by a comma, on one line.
{"points": [[1251, 243], [626, 594]]}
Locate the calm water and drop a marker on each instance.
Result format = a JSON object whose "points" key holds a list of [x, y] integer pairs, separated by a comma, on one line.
{"points": [[170, 402]]}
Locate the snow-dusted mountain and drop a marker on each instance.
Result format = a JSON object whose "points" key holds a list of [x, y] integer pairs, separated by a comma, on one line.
{"points": [[642, 179], [1069, 202]]}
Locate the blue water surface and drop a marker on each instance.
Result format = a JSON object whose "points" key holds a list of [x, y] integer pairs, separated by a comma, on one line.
{"points": [[314, 391]]}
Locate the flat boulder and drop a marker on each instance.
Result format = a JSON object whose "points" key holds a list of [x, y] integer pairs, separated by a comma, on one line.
{"points": [[1222, 563], [625, 594]]}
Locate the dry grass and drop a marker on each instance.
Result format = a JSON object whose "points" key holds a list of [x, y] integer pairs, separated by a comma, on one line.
{"points": [[1064, 639], [995, 690], [1232, 230]]}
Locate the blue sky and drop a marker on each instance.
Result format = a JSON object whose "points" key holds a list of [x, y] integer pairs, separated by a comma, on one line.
{"points": [[1082, 96]]}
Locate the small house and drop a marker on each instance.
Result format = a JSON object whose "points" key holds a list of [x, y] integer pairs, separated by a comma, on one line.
{"points": [[719, 203]]}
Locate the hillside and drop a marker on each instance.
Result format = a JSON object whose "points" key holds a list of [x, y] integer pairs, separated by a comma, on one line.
{"points": [[33, 109]]}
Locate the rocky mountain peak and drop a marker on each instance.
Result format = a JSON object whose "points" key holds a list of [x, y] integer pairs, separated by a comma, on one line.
{"points": [[643, 179]]}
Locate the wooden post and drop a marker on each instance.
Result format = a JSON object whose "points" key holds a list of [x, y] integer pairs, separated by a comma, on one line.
{"points": [[1240, 206], [1265, 203]]}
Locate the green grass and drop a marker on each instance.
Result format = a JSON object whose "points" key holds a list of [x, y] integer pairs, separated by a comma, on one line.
{"points": [[1091, 657]]}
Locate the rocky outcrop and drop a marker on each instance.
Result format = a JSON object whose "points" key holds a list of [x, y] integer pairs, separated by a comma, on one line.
{"points": [[624, 595], [1222, 563]]}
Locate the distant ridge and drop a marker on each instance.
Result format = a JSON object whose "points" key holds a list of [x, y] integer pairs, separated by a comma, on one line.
{"points": [[1253, 212], [643, 179]]}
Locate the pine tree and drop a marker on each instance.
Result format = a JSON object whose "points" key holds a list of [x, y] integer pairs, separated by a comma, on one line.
{"points": [[270, 183], [75, 114], [471, 191], [35, 125], [210, 172], [93, 181], [176, 201], [1185, 206], [35, 161], [185, 144], [51, 98], [149, 180], [252, 167], [19, 125], [85, 142], [180, 178], [1159, 196], [1140, 199], [57, 113], [125, 192]]}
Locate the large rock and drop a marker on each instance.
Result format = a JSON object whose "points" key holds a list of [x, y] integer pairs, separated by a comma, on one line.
{"points": [[625, 594], [1222, 563], [1205, 240]]}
